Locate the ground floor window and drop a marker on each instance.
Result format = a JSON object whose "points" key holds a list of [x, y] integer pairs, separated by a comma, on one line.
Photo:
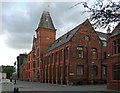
{"points": [[80, 69], [105, 70], [116, 72], [95, 70], [34, 73]]}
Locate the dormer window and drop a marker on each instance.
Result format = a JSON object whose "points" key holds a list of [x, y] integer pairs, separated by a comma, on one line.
{"points": [[57, 41], [67, 35]]}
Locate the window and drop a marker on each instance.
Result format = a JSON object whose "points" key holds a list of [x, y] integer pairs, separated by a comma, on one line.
{"points": [[87, 38], [105, 70], [61, 54], [53, 58], [28, 65], [34, 64], [80, 70], [95, 70], [118, 42], [34, 73], [116, 72], [114, 47], [60, 71], [104, 55], [94, 53], [34, 53], [67, 35], [104, 43], [80, 51], [65, 70], [28, 58], [67, 50], [57, 56]]}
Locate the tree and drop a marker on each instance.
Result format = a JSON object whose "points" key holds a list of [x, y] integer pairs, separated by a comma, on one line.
{"points": [[8, 70], [103, 13]]}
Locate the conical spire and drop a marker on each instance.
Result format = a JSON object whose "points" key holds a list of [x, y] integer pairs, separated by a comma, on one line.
{"points": [[46, 21]]}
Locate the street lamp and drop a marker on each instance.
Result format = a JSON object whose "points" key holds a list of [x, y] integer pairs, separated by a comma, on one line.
{"points": [[92, 73]]}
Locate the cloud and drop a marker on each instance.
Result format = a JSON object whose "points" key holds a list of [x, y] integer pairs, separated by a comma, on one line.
{"points": [[20, 20]]}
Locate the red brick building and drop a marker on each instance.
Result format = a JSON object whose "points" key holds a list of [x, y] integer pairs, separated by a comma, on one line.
{"points": [[23, 66], [113, 60], [77, 57]]}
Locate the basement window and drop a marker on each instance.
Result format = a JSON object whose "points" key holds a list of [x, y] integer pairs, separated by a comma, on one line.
{"points": [[80, 70]]}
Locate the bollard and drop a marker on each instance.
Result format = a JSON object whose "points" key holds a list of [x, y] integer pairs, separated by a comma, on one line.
{"points": [[16, 90]]}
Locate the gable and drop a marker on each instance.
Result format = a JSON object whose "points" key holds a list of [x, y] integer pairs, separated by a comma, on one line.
{"points": [[116, 31]]}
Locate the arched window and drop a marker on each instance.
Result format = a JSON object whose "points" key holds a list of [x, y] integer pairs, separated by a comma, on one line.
{"points": [[80, 70], [80, 51], [94, 53]]}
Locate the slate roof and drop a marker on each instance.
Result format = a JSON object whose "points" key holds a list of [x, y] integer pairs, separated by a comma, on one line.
{"points": [[116, 31], [67, 37], [63, 39], [46, 21]]}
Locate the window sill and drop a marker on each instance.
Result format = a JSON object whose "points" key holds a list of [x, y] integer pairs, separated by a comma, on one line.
{"points": [[115, 55], [116, 81]]}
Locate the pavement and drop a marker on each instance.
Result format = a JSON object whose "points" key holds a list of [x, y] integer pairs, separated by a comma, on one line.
{"points": [[37, 87]]}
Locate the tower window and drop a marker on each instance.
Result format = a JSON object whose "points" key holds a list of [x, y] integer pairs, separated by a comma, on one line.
{"points": [[57, 56]]}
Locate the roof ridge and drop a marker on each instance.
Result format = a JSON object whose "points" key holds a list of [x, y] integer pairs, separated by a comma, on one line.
{"points": [[100, 32]]}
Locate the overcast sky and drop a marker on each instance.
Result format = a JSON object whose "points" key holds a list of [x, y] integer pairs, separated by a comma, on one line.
{"points": [[19, 20]]}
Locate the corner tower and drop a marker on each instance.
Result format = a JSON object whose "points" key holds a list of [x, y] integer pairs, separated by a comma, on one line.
{"points": [[46, 34]]}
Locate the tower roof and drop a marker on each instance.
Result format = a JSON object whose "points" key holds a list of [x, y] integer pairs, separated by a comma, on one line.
{"points": [[46, 21]]}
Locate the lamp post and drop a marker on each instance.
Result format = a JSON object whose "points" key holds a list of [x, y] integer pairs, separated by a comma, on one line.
{"points": [[92, 73]]}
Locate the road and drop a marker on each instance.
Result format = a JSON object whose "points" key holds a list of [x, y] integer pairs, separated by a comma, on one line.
{"points": [[36, 86]]}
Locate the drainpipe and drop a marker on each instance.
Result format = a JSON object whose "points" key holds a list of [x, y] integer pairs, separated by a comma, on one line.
{"points": [[41, 69], [101, 65], [69, 59]]}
